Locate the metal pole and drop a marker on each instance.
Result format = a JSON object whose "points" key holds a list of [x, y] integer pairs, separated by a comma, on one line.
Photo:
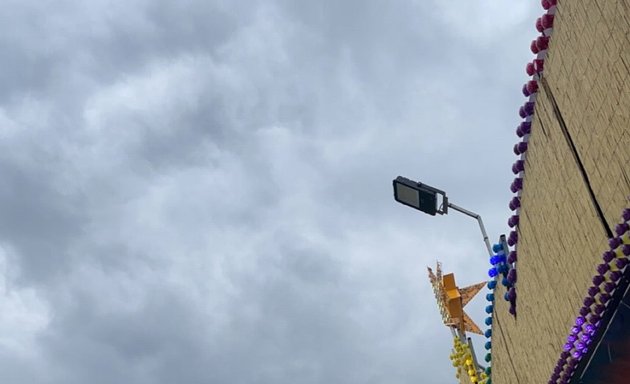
{"points": [[474, 356], [478, 217]]}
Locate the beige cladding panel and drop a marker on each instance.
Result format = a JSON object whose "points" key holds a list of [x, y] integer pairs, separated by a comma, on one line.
{"points": [[561, 236], [589, 78]]}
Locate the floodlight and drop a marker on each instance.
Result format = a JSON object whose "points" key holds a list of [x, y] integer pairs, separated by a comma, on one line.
{"points": [[419, 196], [431, 201]]}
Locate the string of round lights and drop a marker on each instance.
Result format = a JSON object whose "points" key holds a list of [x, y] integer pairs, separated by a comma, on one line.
{"points": [[462, 360], [595, 303], [538, 46]]}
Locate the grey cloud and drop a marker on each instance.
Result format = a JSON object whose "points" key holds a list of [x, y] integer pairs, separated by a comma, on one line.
{"points": [[201, 192]]}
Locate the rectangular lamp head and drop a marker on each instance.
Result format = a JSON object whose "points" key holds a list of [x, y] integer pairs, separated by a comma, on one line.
{"points": [[415, 195]]}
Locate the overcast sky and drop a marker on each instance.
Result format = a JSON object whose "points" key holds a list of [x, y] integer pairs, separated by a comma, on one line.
{"points": [[200, 191]]}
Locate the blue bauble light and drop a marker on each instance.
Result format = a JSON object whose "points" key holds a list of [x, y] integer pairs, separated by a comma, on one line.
{"points": [[497, 247], [492, 272]]}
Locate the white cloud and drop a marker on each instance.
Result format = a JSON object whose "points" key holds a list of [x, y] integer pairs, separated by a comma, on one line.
{"points": [[23, 314]]}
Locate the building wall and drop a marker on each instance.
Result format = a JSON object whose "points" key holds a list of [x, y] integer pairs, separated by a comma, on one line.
{"points": [[577, 181]]}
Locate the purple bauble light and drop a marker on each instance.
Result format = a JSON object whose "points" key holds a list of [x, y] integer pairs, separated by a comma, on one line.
{"points": [[615, 276], [511, 257], [563, 356], [580, 346], [598, 279], [626, 214], [529, 107], [599, 309], [590, 329], [525, 91], [608, 256], [513, 221], [511, 276], [593, 291], [512, 309], [511, 294], [625, 249], [588, 301], [609, 287], [577, 354], [571, 338], [602, 268], [579, 321], [604, 297], [515, 203], [622, 228], [614, 242], [522, 113], [518, 166], [516, 185], [526, 127], [594, 318], [575, 330], [585, 337], [585, 311]]}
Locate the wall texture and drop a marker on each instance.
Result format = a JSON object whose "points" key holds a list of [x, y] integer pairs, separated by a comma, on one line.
{"points": [[577, 181]]}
